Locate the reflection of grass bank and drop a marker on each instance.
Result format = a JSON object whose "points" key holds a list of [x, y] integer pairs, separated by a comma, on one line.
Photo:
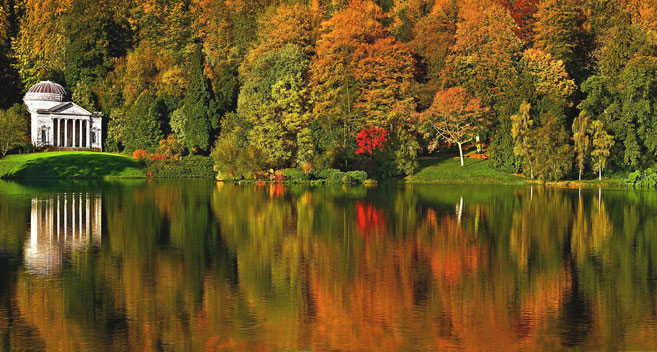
{"points": [[447, 169], [69, 165]]}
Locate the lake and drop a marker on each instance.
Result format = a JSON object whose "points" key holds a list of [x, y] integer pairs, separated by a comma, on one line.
{"points": [[196, 265]]}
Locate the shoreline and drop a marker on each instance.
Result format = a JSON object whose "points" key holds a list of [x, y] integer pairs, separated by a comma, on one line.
{"points": [[443, 170]]}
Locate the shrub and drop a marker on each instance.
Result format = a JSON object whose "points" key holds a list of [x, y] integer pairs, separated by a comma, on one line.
{"points": [[327, 174], [642, 179], [357, 176], [295, 175], [190, 166], [139, 154]]}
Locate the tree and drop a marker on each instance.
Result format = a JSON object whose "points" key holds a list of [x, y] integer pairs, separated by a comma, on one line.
{"points": [[521, 131], [275, 101], [371, 139], [199, 107], [602, 144], [552, 154], [361, 76], [143, 123], [581, 139], [13, 128], [455, 117], [560, 31]]}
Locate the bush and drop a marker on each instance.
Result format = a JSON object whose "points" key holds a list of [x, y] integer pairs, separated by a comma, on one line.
{"points": [[642, 179], [139, 154], [327, 174], [295, 175], [190, 166], [357, 176]]}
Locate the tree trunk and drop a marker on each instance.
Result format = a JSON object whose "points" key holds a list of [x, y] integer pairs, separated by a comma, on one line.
{"points": [[461, 153], [600, 172], [580, 174]]}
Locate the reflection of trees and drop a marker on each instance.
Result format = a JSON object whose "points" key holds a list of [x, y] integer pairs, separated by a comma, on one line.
{"points": [[191, 266]]}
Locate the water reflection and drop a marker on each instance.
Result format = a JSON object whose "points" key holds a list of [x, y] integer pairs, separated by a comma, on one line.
{"points": [[60, 224], [190, 266]]}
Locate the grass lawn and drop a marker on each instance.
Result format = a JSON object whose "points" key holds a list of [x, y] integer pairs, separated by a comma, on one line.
{"points": [[447, 169], [69, 165]]}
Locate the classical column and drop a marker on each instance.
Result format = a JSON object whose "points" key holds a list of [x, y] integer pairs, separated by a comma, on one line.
{"points": [[75, 133], [79, 133], [52, 131], [89, 133], [65, 133], [80, 206]]}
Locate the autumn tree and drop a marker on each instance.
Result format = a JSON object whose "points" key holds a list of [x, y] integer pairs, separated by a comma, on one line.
{"points": [[484, 62], [455, 117], [602, 143], [38, 48], [432, 38], [13, 127], [360, 76], [581, 139], [523, 13]]}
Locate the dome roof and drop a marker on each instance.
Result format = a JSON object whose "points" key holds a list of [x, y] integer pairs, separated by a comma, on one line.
{"points": [[46, 90]]}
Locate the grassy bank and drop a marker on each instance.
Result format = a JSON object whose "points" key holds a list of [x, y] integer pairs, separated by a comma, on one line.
{"points": [[69, 165], [447, 170]]}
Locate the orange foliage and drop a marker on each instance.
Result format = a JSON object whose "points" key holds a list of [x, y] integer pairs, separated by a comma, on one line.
{"points": [[139, 154]]}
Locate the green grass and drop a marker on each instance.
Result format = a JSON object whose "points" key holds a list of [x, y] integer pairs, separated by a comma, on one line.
{"points": [[69, 165], [448, 170]]}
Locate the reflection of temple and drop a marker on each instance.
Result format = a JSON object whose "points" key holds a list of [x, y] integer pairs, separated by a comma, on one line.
{"points": [[60, 224]]}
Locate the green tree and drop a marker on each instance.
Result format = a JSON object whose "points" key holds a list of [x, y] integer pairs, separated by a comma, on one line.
{"points": [[274, 100], [581, 139], [602, 144], [13, 127], [199, 107], [93, 36], [552, 154], [521, 131], [143, 123], [560, 30]]}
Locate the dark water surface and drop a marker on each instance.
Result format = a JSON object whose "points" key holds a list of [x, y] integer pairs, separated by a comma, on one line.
{"points": [[196, 266]]}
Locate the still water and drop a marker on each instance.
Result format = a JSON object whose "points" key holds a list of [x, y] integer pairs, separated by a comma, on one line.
{"points": [[196, 266]]}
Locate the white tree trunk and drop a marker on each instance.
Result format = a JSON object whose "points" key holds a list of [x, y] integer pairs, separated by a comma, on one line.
{"points": [[461, 154], [600, 172]]}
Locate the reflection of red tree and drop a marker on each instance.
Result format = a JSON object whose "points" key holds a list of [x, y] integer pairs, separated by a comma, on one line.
{"points": [[276, 190], [368, 219]]}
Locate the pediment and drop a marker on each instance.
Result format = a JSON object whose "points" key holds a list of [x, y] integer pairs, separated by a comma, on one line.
{"points": [[67, 108]]}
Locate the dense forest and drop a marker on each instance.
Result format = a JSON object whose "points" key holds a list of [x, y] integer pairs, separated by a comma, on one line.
{"points": [[552, 88]]}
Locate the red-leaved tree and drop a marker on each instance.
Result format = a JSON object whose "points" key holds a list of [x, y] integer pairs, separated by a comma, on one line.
{"points": [[371, 139]]}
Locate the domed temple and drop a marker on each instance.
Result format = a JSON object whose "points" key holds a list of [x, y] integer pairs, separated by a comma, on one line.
{"points": [[59, 123]]}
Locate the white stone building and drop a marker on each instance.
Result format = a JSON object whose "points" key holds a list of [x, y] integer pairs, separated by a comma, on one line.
{"points": [[59, 123]]}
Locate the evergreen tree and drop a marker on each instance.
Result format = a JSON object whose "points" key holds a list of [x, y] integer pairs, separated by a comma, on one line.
{"points": [[199, 107]]}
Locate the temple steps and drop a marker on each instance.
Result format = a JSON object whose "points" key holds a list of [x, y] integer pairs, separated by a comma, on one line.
{"points": [[68, 149]]}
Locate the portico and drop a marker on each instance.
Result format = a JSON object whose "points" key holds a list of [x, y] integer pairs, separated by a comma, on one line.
{"points": [[71, 133]]}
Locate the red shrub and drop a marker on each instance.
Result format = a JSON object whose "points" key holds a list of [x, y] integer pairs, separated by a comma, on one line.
{"points": [[139, 154], [371, 139]]}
